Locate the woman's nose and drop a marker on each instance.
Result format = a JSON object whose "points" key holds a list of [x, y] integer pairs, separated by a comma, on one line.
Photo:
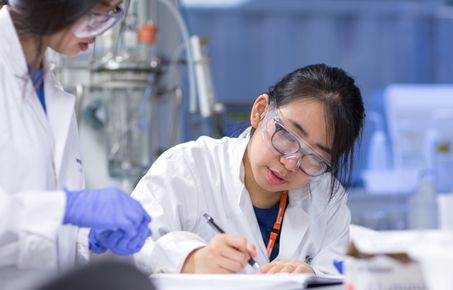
{"points": [[290, 162]]}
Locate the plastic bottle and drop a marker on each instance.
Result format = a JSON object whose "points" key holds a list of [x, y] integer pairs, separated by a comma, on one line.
{"points": [[423, 206], [441, 149], [443, 168], [378, 150], [147, 37]]}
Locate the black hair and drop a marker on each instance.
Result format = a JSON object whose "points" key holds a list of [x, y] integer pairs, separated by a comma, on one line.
{"points": [[345, 111], [40, 18], [46, 17]]}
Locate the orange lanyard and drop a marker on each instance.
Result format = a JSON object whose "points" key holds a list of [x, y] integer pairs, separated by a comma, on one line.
{"points": [[276, 229]]}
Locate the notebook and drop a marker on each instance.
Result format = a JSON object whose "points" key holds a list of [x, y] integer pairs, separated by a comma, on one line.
{"points": [[240, 281]]}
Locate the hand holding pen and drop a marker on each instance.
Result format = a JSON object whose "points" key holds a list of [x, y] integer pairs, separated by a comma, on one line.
{"points": [[219, 230], [225, 253]]}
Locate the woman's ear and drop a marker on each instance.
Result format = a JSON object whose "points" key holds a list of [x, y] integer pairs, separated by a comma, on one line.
{"points": [[259, 110]]}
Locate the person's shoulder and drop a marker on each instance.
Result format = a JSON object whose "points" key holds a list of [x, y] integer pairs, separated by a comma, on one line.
{"points": [[203, 147]]}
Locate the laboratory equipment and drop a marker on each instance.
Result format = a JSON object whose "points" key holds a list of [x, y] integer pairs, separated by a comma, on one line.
{"points": [[441, 149], [127, 79], [133, 96], [408, 107]]}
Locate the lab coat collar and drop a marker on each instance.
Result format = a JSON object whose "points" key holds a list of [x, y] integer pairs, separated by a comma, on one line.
{"points": [[237, 163], [60, 113]]}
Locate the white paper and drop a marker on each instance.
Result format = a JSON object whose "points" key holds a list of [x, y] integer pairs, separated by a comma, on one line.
{"points": [[436, 261], [390, 242], [231, 281]]}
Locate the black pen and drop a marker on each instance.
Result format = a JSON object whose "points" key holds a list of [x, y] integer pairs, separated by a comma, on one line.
{"points": [[219, 230]]}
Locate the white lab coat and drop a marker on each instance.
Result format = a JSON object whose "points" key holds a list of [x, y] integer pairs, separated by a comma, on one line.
{"points": [[207, 176], [39, 156]]}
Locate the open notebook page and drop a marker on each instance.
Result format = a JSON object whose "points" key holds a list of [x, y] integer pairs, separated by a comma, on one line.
{"points": [[237, 281]]}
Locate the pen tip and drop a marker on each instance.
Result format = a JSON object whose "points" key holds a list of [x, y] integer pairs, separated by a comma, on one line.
{"points": [[257, 267]]}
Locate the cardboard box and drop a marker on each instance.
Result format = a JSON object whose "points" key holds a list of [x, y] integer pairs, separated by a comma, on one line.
{"points": [[379, 261], [382, 272]]}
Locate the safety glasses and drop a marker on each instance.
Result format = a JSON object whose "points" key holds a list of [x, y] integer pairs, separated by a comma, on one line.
{"points": [[291, 146], [95, 23]]}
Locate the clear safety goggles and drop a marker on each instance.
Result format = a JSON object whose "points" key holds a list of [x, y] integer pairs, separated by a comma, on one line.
{"points": [[294, 147], [95, 23]]}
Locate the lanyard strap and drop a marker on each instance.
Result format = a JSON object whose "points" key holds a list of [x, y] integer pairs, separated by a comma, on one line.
{"points": [[276, 229]]}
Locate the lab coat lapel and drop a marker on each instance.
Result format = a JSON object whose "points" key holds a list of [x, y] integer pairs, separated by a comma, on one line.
{"points": [[251, 227], [14, 58], [60, 110], [295, 225]]}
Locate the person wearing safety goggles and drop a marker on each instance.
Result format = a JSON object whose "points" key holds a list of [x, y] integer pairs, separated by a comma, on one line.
{"points": [[48, 221], [275, 190]]}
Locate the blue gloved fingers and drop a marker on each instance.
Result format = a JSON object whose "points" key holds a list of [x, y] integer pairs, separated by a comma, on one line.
{"points": [[103, 238], [136, 212], [111, 240], [121, 248], [137, 242], [119, 244], [126, 225], [142, 241], [94, 245]]}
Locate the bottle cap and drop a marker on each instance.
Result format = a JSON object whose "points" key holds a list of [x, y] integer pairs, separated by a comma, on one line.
{"points": [[148, 34], [444, 148]]}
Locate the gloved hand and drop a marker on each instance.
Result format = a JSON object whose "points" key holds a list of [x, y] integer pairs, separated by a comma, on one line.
{"points": [[117, 242], [105, 209]]}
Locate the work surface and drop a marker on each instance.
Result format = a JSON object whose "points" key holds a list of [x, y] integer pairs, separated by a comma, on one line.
{"points": [[242, 282]]}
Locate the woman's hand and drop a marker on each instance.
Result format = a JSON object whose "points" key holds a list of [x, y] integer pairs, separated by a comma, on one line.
{"points": [[224, 254], [292, 266]]}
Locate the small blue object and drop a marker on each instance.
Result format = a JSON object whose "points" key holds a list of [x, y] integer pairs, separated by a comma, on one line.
{"points": [[37, 77], [338, 265]]}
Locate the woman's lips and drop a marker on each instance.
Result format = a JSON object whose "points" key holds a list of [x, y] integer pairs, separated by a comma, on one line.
{"points": [[84, 46], [273, 179]]}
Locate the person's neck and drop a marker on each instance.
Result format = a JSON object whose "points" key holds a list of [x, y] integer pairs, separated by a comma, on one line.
{"points": [[33, 51], [260, 197]]}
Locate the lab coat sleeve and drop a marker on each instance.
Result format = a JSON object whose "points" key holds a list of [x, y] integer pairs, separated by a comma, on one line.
{"points": [[29, 222], [335, 240], [168, 192], [83, 250]]}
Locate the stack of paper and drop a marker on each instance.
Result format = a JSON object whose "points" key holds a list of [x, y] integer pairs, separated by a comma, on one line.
{"points": [[238, 281]]}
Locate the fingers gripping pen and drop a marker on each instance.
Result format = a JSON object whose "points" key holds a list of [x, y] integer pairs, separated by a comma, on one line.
{"points": [[219, 230]]}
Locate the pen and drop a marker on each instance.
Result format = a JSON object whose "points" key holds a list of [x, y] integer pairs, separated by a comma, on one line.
{"points": [[219, 230]]}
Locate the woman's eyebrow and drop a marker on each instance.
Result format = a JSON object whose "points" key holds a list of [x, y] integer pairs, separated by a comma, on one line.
{"points": [[301, 129]]}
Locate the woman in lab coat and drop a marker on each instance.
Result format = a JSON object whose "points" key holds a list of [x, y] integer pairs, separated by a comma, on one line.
{"points": [[273, 190], [42, 200]]}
